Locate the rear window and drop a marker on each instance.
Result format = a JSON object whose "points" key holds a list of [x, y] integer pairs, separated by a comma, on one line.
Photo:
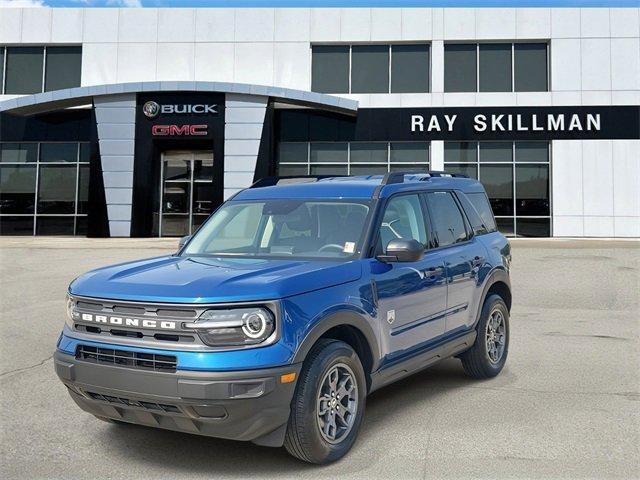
{"points": [[481, 203]]}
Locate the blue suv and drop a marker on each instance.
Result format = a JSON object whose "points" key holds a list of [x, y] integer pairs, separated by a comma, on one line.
{"points": [[295, 300]]}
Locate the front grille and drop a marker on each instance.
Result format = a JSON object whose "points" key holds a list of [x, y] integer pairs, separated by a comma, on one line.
{"points": [[135, 403], [126, 358]]}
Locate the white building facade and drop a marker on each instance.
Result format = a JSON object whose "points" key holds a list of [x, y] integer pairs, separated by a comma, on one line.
{"points": [[139, 122]]}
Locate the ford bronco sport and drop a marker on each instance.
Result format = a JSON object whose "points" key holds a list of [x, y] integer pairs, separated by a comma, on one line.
{"points": [[295, 300]]}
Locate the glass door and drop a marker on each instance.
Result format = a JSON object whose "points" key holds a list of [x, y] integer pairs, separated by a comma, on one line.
{"points": [[186, 192]]}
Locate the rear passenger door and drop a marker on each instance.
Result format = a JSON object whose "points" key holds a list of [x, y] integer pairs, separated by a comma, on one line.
{"points": [[463, 258]]}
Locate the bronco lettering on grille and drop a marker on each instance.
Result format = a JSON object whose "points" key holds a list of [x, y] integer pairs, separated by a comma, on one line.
{"points": [[129, 322]]}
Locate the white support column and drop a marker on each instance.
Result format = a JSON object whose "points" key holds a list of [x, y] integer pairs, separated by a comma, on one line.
{"points": [[116, 119], [437, 155], [244, 119]]}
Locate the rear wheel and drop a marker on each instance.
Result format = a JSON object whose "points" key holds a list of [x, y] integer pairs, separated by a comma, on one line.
{"points": [[328, 405], [489, 352]]}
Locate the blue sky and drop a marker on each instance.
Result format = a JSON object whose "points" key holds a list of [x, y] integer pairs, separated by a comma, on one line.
{"points": [[322, 3]]}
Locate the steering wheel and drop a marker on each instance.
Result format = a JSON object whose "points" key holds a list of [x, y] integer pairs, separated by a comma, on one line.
{"points": [[329, 246]]}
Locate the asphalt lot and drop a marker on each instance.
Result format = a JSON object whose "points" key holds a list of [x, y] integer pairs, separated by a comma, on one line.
{"points": [[566, 405]]}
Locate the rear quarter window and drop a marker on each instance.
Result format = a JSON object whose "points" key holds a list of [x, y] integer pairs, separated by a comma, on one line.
{"points": [[482, 206]]}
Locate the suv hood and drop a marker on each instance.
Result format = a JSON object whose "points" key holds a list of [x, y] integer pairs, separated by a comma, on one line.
{"points": [[174, 279]]}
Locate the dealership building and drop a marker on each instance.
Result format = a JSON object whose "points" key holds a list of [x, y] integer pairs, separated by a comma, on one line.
{"points": [[140, 122]]}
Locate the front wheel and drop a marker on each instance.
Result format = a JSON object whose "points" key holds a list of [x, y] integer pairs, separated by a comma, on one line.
{"points": [[489, 352], [328, 405]]}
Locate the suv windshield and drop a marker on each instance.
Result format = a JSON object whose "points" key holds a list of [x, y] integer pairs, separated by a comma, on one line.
{"points": [[277, 228]]}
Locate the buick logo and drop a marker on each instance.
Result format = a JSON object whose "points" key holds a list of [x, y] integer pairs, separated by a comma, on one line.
{"points": [[151, 109]]}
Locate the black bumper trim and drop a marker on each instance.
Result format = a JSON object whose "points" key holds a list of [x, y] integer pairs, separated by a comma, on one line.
{"points": [[240, 405]]}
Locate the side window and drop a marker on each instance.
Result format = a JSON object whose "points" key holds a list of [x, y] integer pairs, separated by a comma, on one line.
{"points": [[403, 218], [477, 224], [446, 218], [482, 205]]}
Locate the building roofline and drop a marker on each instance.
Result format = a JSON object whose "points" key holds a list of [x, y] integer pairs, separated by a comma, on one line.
{"points": [[69, 97]]}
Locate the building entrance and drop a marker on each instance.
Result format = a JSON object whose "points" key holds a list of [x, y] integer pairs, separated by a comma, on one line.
{"points": [[186, 191]]}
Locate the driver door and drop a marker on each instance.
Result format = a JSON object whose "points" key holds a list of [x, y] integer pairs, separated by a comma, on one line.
{"points": [[412, 296]]}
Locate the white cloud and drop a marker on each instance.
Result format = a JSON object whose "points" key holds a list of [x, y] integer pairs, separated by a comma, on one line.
{"points": [[125, 3], [21, 3]]}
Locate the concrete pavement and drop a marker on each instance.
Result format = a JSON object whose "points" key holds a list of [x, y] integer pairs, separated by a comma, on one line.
{"points": [[566, 404]]}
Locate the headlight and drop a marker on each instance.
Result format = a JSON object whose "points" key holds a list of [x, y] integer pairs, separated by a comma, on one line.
{"points": [[72, 313], [234, 327]]}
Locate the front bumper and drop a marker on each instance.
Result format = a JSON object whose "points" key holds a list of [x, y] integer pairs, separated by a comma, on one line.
{"points": [[241, 405]]}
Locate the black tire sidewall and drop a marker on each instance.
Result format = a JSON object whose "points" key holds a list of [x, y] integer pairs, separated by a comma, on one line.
{"points": [[332, 353]]}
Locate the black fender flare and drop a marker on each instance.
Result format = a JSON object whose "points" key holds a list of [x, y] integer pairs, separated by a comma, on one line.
{"points": [[336, 319], [495, 276]]}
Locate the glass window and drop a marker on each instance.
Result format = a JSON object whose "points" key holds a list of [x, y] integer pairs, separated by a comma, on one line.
{"points": [[17, 188], [328, 169], [467, 169], [496, 152], [498, 182], [374, 152], [460, 67], [399, 167], [293, 152], [282, 227], [57, 189], [54, 225], [477, 224], [330, 69], [16, 225], [292, 170], [24, 70], [85, 152], [59, 152], [535, 152], [460, 152], [446, 218], [329, 152], [532, 190], [533, 227], [409, 68], [18, 152], [495, 67], [63, 68], [530, 67], [403, 219], [409, 152], [370, 69], [505, 226], [83, 189], [368, 169], [482, 206]]}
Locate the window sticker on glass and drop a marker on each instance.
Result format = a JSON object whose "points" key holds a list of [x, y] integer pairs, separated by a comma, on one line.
{"points": [[349, 247]]}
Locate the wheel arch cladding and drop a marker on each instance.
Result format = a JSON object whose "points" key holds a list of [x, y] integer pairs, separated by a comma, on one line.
{"points": [[497, 282], [350, 328]]}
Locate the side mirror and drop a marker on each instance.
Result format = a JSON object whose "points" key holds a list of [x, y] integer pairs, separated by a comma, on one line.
{"points": [[182, 242], [403, 250]]}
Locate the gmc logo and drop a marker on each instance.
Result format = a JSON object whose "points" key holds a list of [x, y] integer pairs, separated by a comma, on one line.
{"points": [[179, 130]]}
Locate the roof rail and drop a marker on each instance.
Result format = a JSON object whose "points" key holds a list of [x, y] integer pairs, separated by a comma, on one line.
{"points": [[290, 179], [398, 177]]}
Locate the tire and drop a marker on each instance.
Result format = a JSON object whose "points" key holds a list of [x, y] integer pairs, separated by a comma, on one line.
{"points": [[328, 360], [481, 361]]}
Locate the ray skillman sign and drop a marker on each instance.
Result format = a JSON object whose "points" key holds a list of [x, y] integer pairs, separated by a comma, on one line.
{"points": [[500, 123]]}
